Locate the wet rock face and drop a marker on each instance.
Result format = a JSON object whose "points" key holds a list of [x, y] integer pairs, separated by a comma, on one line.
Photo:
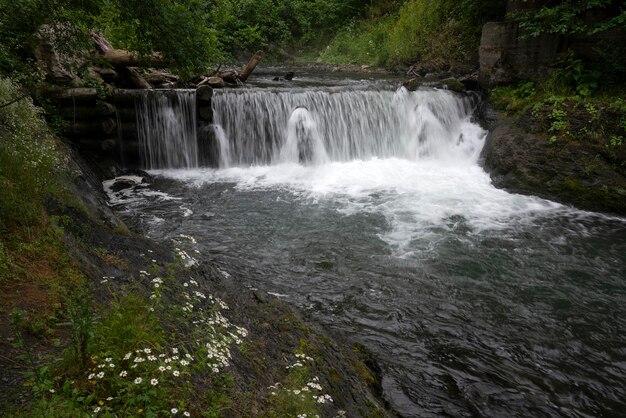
{"points": [[58, 63], [571, 172], [505, 54]]}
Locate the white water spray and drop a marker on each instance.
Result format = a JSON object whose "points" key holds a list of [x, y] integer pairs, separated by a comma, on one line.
{"points": [[166, 128], [307, 126]]}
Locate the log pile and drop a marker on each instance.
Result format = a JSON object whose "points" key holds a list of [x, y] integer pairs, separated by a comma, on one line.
{"points": [[222, 78], [103, 121]]}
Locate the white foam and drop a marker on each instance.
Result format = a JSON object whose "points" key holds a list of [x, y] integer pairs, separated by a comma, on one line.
{"points": [[413, 196]]}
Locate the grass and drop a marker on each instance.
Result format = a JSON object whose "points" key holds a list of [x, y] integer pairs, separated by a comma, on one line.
{"points": [[417, 31]]}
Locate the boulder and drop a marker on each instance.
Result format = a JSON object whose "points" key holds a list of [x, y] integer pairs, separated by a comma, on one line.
{"points": [[216, 82], [453, 84], [159, 78], [413, 84], [569, 172], [55, 59]]}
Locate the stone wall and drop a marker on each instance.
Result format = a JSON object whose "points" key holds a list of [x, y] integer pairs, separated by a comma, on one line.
{"points": [[506, 54], [104, 125]]}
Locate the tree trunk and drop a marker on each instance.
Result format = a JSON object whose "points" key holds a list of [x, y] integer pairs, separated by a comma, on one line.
{"points": [[122, 58], [86, 112], [132, 78], [75, 95], [250, 66]]}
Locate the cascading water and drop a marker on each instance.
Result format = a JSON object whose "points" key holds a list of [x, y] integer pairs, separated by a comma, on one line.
{"points": [[266, 127], [368, 210], [166, 129]]}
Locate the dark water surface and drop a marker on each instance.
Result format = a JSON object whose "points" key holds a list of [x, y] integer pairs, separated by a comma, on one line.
{"points": [[476, 302], [528, 320]]}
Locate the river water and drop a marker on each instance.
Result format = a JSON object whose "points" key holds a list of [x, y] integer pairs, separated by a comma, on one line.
{"points": [[368, 209]]}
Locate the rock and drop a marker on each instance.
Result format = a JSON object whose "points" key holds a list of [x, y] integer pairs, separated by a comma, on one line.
{"points": [[59, 65], [289, 76], [276, 79], [505, 54], [453, 84], [205, 113], [124, 183], [204, 94], [470, 82], [413, 84], [100, 42], [568, 172], [159, 78], [216, 82], [108, 75]]}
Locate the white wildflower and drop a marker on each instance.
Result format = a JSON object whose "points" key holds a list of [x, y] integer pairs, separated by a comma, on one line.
{"points": [[100, 375], [123, 373], [154, 382], [138, 380], [174, 411]]}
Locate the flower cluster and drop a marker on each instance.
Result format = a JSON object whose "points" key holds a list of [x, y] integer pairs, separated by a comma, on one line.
{"points": [[151, 370], [215, 332]]}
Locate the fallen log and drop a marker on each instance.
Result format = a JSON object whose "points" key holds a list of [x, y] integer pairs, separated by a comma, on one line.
{"points": [[73, 95], [245, 73], [122, 58], [132, 79], [86, 112], [105, 127], [204, 94]]}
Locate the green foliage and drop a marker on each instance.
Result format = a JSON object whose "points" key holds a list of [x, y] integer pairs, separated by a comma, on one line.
{"points": [[559, 124], [178, 29], [438, 32], [571, 17], [572, 77], [28, 160], [300, 393]]}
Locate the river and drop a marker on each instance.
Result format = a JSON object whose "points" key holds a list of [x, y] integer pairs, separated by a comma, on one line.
{"points": [[366, 207]]}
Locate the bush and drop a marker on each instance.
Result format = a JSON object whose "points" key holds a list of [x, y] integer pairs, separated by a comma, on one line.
{"points": [[436, 31], [28, 160]]}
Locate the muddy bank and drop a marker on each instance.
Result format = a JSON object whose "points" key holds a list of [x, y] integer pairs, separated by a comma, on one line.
{"points": [[579, 170]]}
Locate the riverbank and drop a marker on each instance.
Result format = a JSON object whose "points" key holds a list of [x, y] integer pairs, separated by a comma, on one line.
{"points": [[143, 328], [568, 150]]}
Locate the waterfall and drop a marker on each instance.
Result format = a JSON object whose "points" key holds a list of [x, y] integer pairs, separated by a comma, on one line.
{"points": [[166, 129], [315, 126]]}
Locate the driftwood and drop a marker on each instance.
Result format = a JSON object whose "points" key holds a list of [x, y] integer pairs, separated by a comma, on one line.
{"points": [[156, 78], [219, 78], [133, 79], [86, 112], [100, 42], [90, 129], [247, 70], [122, 58], [75, 95]]}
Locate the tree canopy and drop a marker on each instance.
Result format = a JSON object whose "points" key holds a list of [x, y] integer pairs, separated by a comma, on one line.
{"points": [[570, 17]]}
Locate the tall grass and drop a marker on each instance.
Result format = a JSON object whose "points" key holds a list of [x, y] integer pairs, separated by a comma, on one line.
{"points": [[419, 30]]}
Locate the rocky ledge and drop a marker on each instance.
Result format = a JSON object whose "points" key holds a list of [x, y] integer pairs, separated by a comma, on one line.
{"points": [[523, 160]]}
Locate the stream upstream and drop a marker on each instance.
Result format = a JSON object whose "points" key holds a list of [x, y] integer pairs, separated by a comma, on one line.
{"points": [[366, 207]]}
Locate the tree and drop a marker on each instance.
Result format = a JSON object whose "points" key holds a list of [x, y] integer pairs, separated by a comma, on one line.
{"points": [[178, 29], [587, 17]]}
